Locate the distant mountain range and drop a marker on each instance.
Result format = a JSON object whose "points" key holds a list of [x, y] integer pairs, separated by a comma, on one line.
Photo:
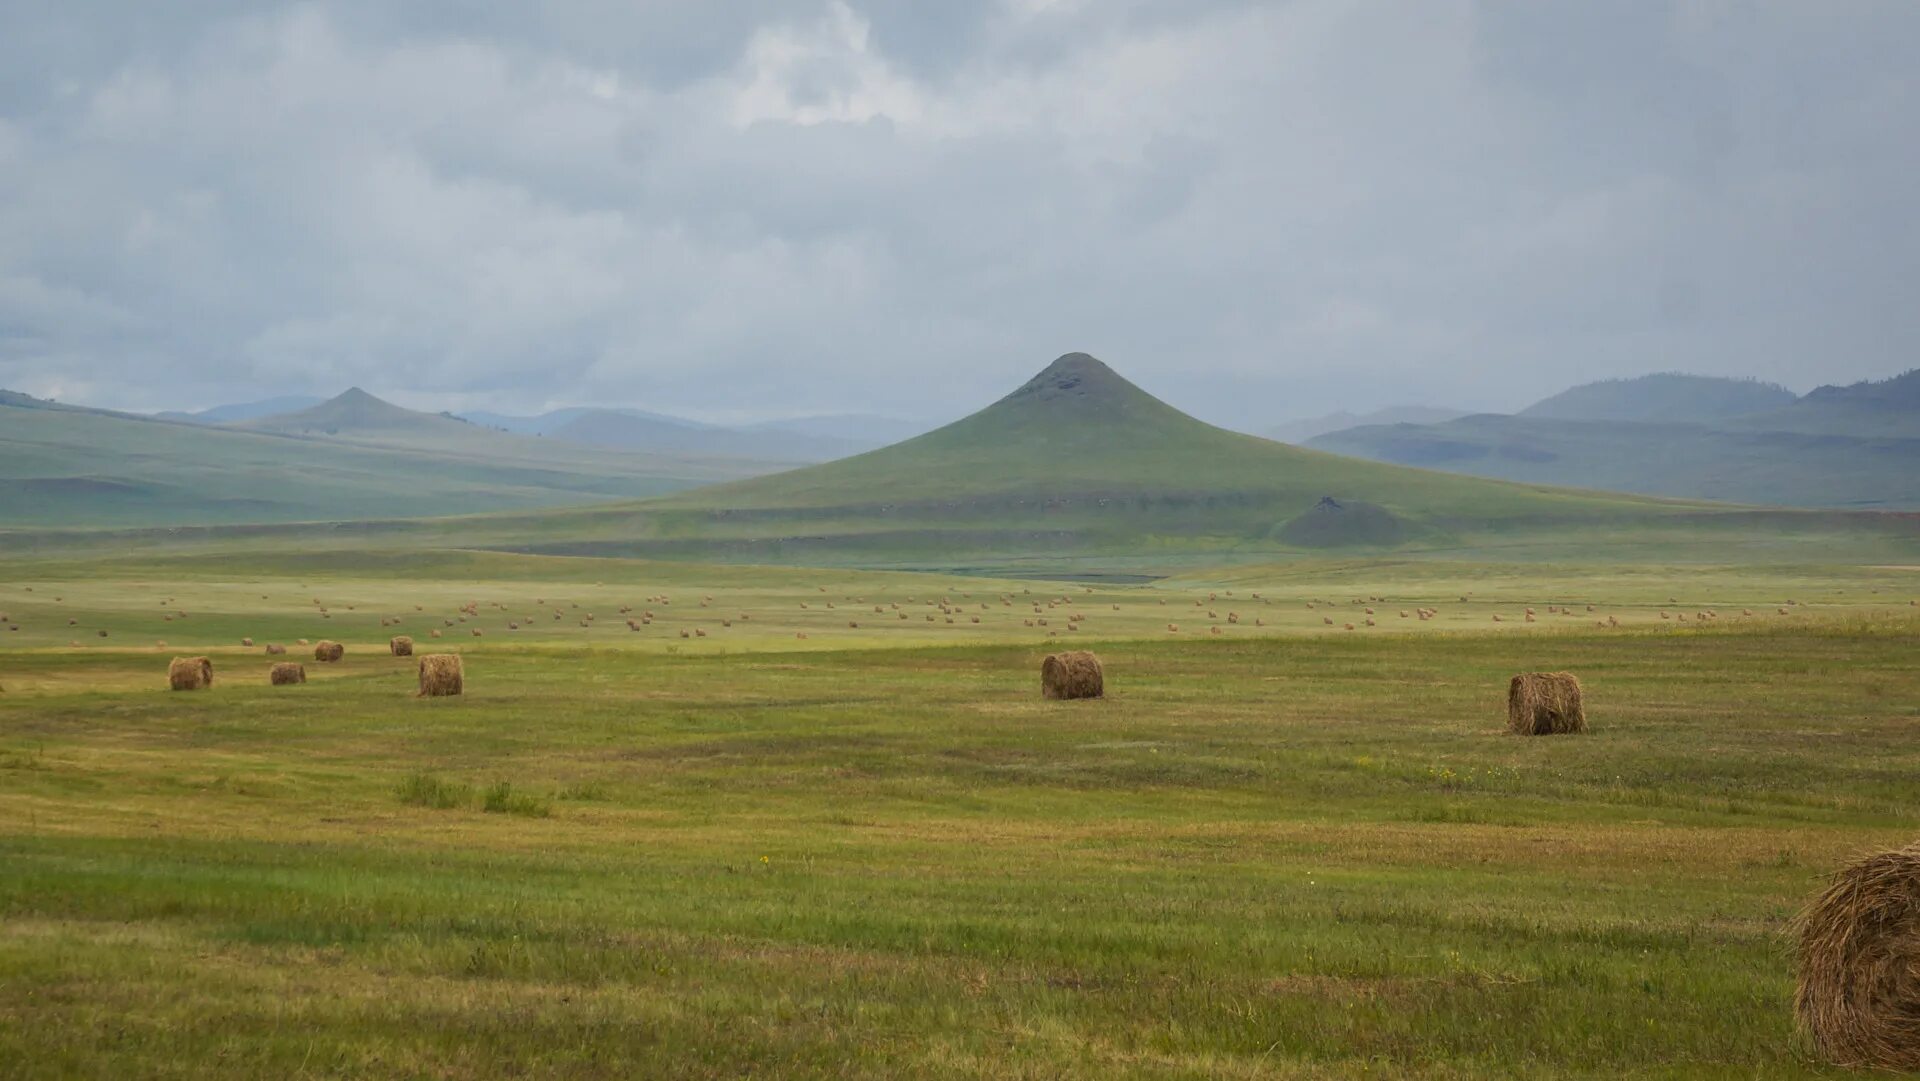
{"points": [[797, 440], [1299, 431], [227, 414], [1667, 397], [350, 457], [1688, 436], [1076, 468], [1080, 468]]}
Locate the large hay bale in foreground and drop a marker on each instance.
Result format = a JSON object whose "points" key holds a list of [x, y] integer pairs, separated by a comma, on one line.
{"points": [[324, 650], [1859, 959], [1545, 704], [401, 645], [441, 675], [190, 673], [1074, 674], [286, 672]]}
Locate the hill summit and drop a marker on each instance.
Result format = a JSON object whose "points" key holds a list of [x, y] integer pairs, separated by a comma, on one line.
{"points": [[1076, 380], [1079, 459], [352, 411]]}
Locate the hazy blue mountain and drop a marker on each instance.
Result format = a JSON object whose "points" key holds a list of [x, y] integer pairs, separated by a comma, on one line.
{"points": [[1667, 396], [1694, 461], [1300, 430], [1889, 407], [867, 430], [608, 428], [353, 457], [799, 439], [553, 420], [239, 411]]}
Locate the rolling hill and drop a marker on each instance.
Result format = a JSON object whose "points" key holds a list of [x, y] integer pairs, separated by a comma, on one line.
{"points": [[1080, 472], [797, 440], [243, 411], [1080, 467], [608, 428], [1844, 447], [1887, 407], [353, 458], [1667, 397], [554, 419], [1690, 461], [1300, 431]]}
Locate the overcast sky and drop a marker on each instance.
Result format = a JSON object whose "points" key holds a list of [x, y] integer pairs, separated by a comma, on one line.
{"points": [[740, 210]]}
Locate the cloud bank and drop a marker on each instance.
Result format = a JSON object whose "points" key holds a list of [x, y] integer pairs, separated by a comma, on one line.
{"points": [[1256, 210]]}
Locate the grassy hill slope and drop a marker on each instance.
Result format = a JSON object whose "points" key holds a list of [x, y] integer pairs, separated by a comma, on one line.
{"points": [[67, 466], [1680, 460], [1081, 467], [1079, 471]]}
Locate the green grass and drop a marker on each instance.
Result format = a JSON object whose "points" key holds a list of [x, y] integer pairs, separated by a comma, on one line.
{"points": [[1285, 850]]}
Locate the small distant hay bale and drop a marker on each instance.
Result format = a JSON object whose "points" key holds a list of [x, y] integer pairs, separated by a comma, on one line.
{"points": [[478, 633], [324, 650], [441, 675], [101, 633], [302, 641], [275, 649], [190, 673], [286, 673], [434, 633], [1859, 959], [1545, 704], [400, 645], [1074, 674], [247, 642]]}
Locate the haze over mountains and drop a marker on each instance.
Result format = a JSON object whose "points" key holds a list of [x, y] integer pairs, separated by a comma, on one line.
{"points": [[353, 456], [1076, 468], [795, 439], [1299, 431], [1077, 463], [1685, 436], [1080, 468]]}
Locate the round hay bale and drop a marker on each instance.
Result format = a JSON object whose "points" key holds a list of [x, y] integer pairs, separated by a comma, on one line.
{"points": [[400, 645], [1859, 959], [274, 649], [324, 650], [190, 673], [441, 675], [285, 673], [247, 642], [1074, 674], [1545, 704]]}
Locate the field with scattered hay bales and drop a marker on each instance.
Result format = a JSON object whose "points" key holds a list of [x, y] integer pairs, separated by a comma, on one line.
{"points": [[788, 846]]}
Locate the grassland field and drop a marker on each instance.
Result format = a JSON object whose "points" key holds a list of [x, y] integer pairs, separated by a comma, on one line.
{"points": [[1286, 849]]}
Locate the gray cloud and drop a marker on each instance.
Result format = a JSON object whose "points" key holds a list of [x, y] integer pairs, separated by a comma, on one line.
{"points": [[1259, 210]]}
